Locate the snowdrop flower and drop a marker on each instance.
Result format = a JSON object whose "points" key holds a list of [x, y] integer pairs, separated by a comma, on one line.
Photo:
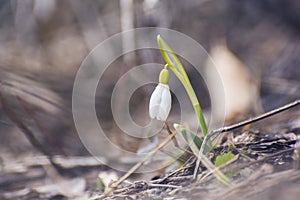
{"points": [[160, 101]]}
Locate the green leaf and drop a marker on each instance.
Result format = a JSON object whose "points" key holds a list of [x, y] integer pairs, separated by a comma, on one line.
{"points": [[183, 132], [191, 138], [170, 57], [223, 159]]}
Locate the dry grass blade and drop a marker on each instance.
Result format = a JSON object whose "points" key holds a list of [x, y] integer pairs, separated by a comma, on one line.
{"points": [[139, 164], [219, 168], [216, 171]]}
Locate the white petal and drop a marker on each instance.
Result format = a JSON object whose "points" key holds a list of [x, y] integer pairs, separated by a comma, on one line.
{"points": [[153, 111], [160, 102], [165, 105], [155, 100]]}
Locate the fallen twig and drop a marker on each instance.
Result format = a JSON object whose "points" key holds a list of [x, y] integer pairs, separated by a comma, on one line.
{"points": [[241, 124]]}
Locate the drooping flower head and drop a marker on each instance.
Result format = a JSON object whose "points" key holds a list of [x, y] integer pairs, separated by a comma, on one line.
{"points": [[160, 101]]}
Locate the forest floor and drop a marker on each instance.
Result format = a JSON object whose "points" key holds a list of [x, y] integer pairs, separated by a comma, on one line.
{"points": [[265, 166]]}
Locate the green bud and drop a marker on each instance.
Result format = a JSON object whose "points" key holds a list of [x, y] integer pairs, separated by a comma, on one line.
{"points": [[164, 76]]}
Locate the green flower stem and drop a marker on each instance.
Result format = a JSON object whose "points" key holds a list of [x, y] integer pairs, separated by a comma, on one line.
{"points": [[175, 65], [201, 119]]}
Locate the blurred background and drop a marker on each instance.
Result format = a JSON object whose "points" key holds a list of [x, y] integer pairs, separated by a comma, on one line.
{"points": [[254, 44]]}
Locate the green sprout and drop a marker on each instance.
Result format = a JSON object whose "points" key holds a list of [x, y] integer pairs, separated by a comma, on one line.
{"points": [[198, 146], [175, 65]]}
